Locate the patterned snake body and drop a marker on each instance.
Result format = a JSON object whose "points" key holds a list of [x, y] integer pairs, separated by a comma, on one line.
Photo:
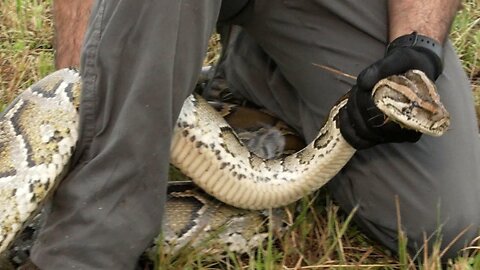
{"points": [[224, 168], [38, 133], [193, 218]]}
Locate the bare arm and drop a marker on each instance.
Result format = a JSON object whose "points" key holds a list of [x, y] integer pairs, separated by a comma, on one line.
{"points": [[71, 18], [431, 18]]}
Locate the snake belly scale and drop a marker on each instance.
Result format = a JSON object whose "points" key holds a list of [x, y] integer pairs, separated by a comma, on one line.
{"points": [[38, 133]]}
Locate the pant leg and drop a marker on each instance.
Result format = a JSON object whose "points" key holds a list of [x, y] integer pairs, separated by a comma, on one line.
{"points": [[140, 61], [283, 60]]}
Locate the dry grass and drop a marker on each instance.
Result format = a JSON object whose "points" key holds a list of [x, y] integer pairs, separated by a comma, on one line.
{"points": [[466, 38], [321, 237], [26, 52]]}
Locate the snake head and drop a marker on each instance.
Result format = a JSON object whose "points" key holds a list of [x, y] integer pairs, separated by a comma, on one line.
{"points": [[412, 101]]}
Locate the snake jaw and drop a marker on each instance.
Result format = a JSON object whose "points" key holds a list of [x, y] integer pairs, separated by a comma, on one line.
{"points": [[412, 101]]}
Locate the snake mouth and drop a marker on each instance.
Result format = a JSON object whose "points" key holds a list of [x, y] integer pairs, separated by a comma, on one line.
{"points": [[414, 117]]}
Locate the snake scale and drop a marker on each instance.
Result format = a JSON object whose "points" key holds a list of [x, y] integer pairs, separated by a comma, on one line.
{"points": [[38, 132]]}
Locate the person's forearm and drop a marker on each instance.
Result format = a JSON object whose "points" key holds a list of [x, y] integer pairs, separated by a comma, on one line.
{"points": [[70, 18], [431, 18]]}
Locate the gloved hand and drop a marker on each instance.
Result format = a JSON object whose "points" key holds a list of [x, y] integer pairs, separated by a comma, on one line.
{"points": [[362, 124]]}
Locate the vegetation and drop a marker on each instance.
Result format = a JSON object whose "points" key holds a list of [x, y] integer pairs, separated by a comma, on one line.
{"points": [[321, 237]]}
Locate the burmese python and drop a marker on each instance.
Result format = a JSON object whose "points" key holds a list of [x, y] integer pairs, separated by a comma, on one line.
{"points": [[38, 132]]}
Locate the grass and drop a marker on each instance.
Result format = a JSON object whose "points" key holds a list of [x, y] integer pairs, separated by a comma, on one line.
{"points": [[320, 235], [26, 51]]}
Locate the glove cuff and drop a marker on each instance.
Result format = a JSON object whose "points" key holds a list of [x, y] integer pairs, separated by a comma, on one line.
{"points": [[420, 43]]}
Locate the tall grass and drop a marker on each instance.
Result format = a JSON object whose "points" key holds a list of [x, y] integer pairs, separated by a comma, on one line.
{"points": [[320, 235], [26, 52], [466, 38]]}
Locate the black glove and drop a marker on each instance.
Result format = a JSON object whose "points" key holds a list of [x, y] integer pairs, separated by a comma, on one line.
{"points": [[362, 124]]}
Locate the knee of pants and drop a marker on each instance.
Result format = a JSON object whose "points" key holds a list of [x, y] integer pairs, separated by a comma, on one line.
{"points": [[427, 231]]}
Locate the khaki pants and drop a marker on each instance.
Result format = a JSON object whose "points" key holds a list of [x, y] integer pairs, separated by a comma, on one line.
{"points": [[139, 63], [282, 58], [141, 59]]}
